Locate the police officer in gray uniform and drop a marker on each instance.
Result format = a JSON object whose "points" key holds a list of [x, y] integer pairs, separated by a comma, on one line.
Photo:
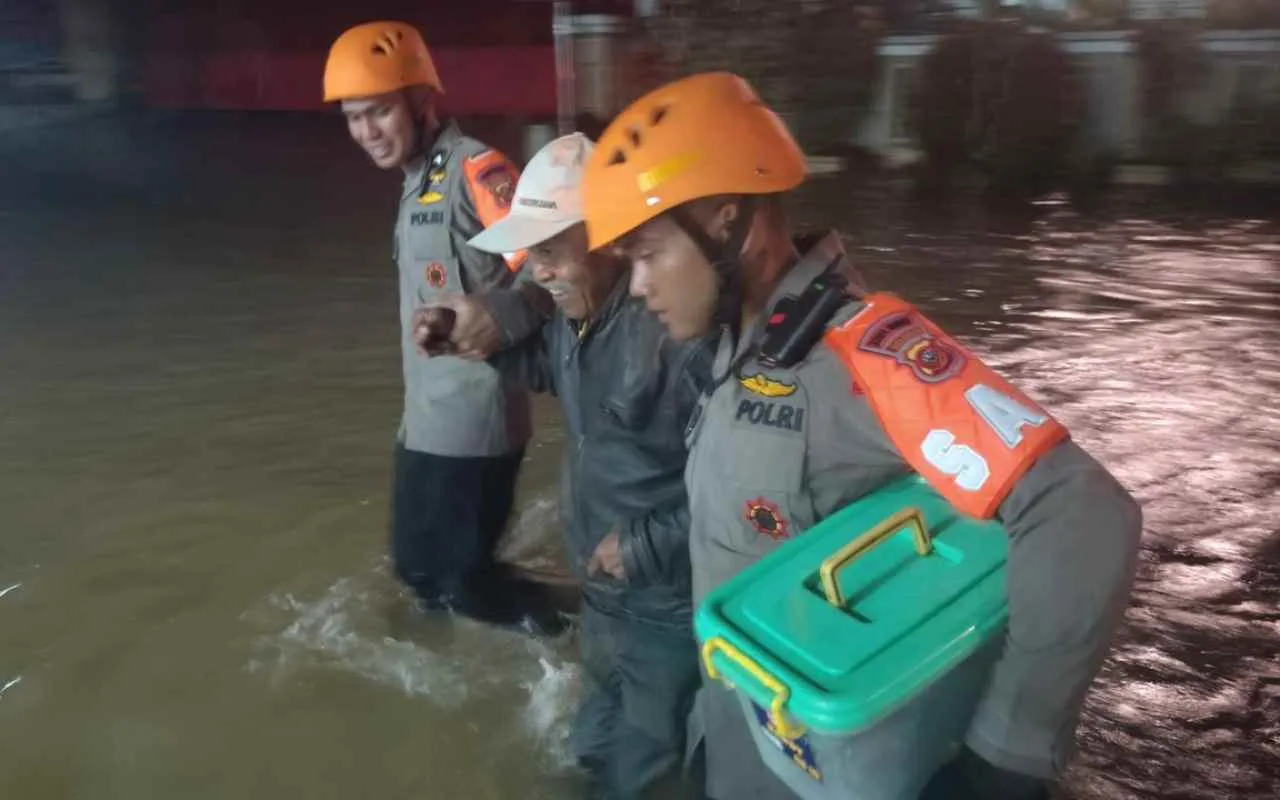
{"points": [[821, 394], [463, 432], [627, 391]]}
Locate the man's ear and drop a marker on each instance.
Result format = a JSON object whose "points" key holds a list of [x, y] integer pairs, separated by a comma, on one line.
{"points": [[724, 215], [422, 103]]}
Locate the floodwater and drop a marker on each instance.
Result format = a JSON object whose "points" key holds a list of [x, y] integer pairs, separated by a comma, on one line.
{"points": [[198, 394]]}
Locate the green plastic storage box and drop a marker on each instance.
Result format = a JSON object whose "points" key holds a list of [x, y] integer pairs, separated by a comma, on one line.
{"points": [[859, 650]]}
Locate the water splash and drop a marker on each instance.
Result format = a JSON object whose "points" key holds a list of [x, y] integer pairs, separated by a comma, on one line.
{"points": [[334, 633], [553, 696], [448, 662], [533, 539]]}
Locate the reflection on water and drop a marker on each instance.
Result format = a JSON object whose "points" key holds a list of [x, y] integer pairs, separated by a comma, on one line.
{"points": [[1157, 343], [199, 387]]}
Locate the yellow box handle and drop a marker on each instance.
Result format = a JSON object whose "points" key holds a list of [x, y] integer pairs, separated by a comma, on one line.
{"points": [[846, 555], [780, 691]]}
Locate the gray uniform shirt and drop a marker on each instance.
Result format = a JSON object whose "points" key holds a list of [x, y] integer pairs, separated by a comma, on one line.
{"points": [[764, 467], [454, 407]]}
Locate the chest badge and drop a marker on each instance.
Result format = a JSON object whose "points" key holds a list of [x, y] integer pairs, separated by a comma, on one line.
{"points": [[765, 516], [431, 193], [436, 275], [767, 387]]}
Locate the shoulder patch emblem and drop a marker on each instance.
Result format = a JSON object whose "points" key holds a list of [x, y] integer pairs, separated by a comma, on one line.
{"points": [[766, 387], [490, 179], [501, 183], [765, 516], [903, 337]]}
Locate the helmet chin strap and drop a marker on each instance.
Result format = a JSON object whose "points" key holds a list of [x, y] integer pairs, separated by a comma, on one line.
{"points": [[725, 258], [424, 136]]}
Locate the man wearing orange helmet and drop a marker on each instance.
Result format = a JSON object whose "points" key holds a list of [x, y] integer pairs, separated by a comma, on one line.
{"points": [[822, 393], [463, 432]]}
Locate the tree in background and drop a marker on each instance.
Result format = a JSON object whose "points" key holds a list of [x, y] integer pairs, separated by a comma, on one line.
{"points": [[1172, 64], [814, 61], [1244, 13], [1000, 100]]}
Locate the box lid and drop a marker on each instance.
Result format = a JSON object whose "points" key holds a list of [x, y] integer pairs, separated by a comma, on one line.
{"points": [[912, 588]]}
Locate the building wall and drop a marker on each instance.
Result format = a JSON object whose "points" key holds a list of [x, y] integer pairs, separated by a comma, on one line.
{"points": [[1112, 124], [1139, 9], [884, 128], [1242, 64], [91, 50], [1167, 9]]}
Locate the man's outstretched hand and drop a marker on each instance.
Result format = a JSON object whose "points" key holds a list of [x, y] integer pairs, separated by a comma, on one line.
{"points": [[456, 325], [432, 327]]}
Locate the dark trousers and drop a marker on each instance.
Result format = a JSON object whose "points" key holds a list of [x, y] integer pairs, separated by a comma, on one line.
{"points": [[447, 516], [969, 777], [630, 731]]}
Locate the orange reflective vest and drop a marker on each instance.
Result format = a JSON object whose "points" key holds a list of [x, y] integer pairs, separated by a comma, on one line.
{"points": [[967, 430], [492, 180]]}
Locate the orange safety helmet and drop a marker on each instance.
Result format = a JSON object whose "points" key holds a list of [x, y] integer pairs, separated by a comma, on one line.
{"points": [[699, 136], [376, 58]]}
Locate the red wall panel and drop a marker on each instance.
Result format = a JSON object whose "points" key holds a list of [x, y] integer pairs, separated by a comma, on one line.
{"points": [[494, 56], [478, 80]]}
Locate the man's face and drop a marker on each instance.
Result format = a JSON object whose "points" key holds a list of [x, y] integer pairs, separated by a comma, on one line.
{"points": [[673, 277], [384, 126], [578, 281]]}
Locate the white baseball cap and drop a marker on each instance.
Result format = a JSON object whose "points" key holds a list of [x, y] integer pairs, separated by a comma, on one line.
{"points": [[547, 200]]}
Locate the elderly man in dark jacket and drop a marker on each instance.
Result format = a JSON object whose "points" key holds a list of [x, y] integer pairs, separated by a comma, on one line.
{"points": [[627, 391]]}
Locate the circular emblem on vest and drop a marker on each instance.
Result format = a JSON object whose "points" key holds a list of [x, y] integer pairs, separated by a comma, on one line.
{"points": [[766, 518], [436, 274], [933, 360]]}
